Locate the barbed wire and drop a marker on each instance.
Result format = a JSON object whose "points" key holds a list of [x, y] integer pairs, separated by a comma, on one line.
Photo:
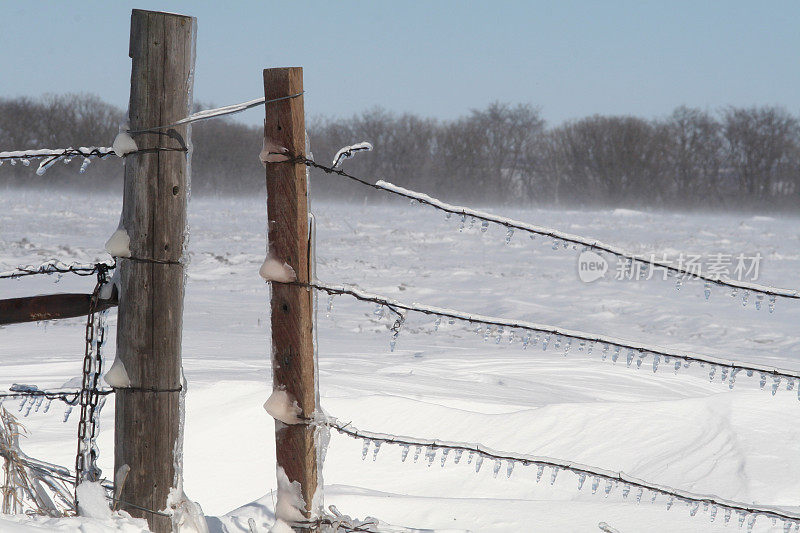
{"points": [[68, 396], [217, 112], [55, 266], [480, 452], [636, 351], [83, 151], [513, 225]]}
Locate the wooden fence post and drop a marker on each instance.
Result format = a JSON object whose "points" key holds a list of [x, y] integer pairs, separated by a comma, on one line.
{"points": [[293, 365], [162, 49]]}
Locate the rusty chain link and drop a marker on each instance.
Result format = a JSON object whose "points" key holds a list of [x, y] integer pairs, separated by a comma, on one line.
{"points": [[90, 395]]}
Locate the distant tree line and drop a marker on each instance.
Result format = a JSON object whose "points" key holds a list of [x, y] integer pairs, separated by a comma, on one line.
{"points": [[733, 158]]}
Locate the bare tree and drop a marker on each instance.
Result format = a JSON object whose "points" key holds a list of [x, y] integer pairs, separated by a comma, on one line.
{"points": [[761, 142]]}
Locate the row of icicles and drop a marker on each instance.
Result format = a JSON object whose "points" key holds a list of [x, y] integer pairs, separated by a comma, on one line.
{"points": [[632, 357], [476, 458], [49, 161], [559, 243]]}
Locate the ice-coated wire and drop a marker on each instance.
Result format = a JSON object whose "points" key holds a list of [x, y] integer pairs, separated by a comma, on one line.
{"points": [[546, 329], [591, 244], [83, 151], [217, 112], [68, 396], [54, 266], [576, 468]]}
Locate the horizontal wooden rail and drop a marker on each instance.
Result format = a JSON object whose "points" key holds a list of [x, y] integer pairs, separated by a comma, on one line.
{"points": [[48, 307]]}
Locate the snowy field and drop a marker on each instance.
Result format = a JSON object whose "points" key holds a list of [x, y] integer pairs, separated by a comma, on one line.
{"points": [[678, 430]]}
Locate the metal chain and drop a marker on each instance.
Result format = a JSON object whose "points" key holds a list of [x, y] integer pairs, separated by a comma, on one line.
{"points": [[86, 460]]}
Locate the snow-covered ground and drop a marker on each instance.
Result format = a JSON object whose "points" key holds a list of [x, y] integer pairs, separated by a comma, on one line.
{"points": [[678, 430]]}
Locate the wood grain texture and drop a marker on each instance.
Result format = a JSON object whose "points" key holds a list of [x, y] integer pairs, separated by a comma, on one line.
{"points": [[48, 307], [151, 295], [293, 363]]}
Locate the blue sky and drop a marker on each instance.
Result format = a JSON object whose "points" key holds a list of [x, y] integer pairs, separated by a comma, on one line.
{"points": [[434, 58]]}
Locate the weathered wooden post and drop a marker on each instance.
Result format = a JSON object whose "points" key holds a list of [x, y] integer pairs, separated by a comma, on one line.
{"points": [[293, 366], [162, 49]]}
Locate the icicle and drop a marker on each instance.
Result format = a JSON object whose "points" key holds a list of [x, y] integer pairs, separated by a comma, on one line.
{"points": [[581, 480], [30, 406], [771, 303], [437, 323], [630, 358], [484, 226], [742, 516], [539, 472], [472, 222], [751, 522], [723, 376], [404, 452], [605, 352], [526, 340], [712, 373], [626, 489], [734, 292], [581, 346], [376, 450], [789, 384], [553, 475], [732, 378], [511, 337], [776, 382], [509, 468], [417, 451], [444, 456], [463, 223], [707, 289], [47, 405], [567, 346], [478, 463], [670, 501], [615, 355], [509, 234], [430, 455], [487, 332], [713, 514], [499, 335], [496, 468], [365, 450], [639, 495], [589, 348], [26, 163], [451, 321], [85, 164], [656, 359], [745, 296], [759, 300], [557, 344], [24, 398], [378, 312], [727, 516], [762, 381], [329, 309], [555, 244], [545, 341], [694, 509], [640, 359], [470, 456], [67, 412], [457, 456], [595, 484], [678, 283], [609, 486]]}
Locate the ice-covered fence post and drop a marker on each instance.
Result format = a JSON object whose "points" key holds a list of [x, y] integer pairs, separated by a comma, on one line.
{"points": [[162, 49], [293, 365]]}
